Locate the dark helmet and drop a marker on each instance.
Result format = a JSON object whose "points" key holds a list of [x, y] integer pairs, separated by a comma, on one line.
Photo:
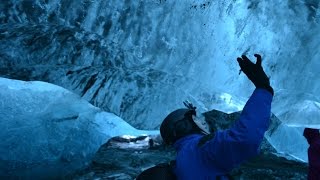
{"points": [[178, 124]]}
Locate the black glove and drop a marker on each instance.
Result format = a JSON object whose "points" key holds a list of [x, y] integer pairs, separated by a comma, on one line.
{"points": [[255, 72]]}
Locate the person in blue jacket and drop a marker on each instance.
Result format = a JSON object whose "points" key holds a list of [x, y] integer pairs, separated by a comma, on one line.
{"points": [[213, 156]]}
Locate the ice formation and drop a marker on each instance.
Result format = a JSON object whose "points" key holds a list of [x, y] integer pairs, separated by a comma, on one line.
{"points": [[132, 57], [141, 59], [47, 130], [289, 142]]}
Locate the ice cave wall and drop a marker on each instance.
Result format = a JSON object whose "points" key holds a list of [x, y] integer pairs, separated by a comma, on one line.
{"points": [[141, 59]]}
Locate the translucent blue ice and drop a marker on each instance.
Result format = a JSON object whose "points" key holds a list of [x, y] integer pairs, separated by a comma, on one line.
{"points": [[46, 130]]}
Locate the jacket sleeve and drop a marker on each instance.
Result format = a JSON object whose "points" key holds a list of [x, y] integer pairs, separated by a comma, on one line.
{"points": [[233, 146]]}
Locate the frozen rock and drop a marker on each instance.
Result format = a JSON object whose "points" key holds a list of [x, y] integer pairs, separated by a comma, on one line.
{"points": [[47, 131]]}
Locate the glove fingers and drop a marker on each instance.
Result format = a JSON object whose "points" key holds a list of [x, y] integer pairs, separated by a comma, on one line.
{"points": [[246, 60], [259, 60], [240, 61], [246, 66]]}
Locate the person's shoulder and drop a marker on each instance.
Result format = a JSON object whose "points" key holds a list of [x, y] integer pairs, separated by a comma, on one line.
{"points": [[190, 141], [193, 137], [204, 139]]}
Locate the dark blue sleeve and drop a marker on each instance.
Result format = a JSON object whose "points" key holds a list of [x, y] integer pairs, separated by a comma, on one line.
{"points": [[233, 146]]}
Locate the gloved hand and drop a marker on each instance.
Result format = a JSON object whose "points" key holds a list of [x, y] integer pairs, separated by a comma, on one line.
{"points": [[255, 72]]}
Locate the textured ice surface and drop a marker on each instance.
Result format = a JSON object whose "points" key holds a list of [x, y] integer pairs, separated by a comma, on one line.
{"points": [[49, 131], [289, 142], [141, 59], [297, 109]]}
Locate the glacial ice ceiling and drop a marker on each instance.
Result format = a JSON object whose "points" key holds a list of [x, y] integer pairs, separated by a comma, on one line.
{"points": [[141, 59]]}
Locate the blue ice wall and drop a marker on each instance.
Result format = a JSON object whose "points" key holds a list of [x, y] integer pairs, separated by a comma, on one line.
{"points": [[141, 59]]}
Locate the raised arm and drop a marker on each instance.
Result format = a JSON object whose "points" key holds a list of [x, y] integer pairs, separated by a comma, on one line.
{"points": [[229, 148]]}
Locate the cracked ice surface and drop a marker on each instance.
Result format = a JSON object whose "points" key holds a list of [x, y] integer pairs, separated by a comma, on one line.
{"points": [[142, 55], [48, 131]]}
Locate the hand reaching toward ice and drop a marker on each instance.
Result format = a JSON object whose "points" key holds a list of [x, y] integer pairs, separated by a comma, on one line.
{"points": [[255, 72]]}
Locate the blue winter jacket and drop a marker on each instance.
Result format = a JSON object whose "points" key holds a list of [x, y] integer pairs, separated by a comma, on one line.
{"points": [[230, 147]]}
